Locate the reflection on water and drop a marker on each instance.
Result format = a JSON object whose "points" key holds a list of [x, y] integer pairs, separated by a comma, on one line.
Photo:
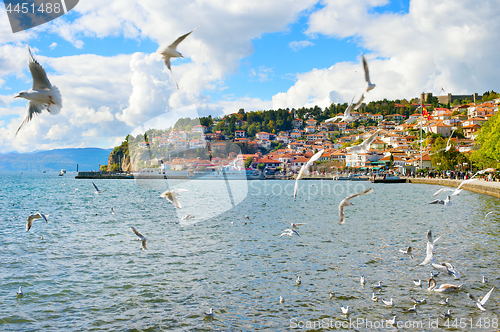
{"points": [[89, 272]]}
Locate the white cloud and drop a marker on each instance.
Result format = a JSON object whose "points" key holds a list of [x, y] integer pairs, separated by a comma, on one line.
{"points": [[297, 45], [436, 44], [53, 45]]}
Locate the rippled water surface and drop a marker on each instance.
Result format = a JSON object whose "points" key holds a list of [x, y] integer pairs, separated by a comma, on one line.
{"points": [[85, 271]]}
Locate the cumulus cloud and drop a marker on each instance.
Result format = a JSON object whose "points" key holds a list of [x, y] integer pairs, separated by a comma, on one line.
{"points": [[437, 43], [297, 45]]}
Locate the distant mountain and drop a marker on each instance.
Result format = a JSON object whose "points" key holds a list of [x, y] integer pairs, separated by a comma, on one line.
{"points": [[88, 159]]}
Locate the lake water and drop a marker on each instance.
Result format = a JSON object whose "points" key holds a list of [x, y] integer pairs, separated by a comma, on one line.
{"points": [[85, 271]]}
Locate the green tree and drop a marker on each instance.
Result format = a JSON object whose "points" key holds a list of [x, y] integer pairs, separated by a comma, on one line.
{"points": [[488, 140], [248, 162]]}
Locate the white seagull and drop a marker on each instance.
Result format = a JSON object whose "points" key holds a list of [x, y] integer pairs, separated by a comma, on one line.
{"points": [[446, 148], [430, 248], [365, 145], [374, 298], [447, 268], [412, 309], [379, 285], [369, 85], [444, 302], [171, 196], [282, 300], [418, 301], [362, 280], [391, 321], [171, 52], [484, 280], [407, 251], [20, 292], [482, 302], [43, 95], [298, 281], [447, 314], [304, 170], [345, 310], [188, 216], [346, 117], [97, 191], [388, 303], [33, 217], [446, 202], [346, 202], [455, 192], [294, 225], [289, 232], [418, 283], [210, 313], [141, 237]]}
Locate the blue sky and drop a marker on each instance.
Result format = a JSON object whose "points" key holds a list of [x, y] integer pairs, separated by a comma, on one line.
{"points": [[246, 54]]}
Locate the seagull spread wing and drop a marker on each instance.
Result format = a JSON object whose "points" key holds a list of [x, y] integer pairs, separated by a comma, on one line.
{"points": [[95, 187], [180, 39], [299, 176], [347, 112], [360, 102], [367, 191], [40, 80], [486, 297], [136, 232], [437, 201], [33, 109], [333, 119], [316, 156], [171, 196]]}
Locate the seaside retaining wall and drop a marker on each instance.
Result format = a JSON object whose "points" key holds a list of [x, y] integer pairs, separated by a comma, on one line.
{"points": [[481, 187]]}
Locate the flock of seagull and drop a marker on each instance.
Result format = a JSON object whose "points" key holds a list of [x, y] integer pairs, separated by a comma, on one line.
{"points": [[44, 95]]}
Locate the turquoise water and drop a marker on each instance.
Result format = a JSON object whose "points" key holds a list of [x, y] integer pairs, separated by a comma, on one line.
{"points": [[85, 271]]}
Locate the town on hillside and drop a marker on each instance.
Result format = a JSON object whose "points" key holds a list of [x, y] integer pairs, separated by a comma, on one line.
{"points": [[436, 133]]}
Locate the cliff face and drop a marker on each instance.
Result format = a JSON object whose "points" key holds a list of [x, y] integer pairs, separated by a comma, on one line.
{"points": [[120, 156]]}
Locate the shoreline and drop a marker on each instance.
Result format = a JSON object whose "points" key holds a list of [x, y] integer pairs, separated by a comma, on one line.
{"points": [[479, 186]]}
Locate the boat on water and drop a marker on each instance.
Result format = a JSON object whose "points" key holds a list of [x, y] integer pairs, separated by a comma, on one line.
{"points": [[388, 178], [218, 174]]}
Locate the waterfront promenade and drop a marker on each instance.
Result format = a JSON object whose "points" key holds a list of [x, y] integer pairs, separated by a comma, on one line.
{"points": [[481, 186]]}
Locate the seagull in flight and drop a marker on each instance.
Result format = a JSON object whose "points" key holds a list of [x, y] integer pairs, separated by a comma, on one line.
{"points": [[430, 248], [487, 214], [447, 268], [33, 217], [482, 302], [418, 301], [456, 192], [289, 232], [43, 95], [304, 170], [294, 225], [365, 145], [171, 52], [141, 237], [345, 310], [97, 191], [369, 85], [171, 196], [347, 113], [407, 251], [346, 202], [446, 148]]}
